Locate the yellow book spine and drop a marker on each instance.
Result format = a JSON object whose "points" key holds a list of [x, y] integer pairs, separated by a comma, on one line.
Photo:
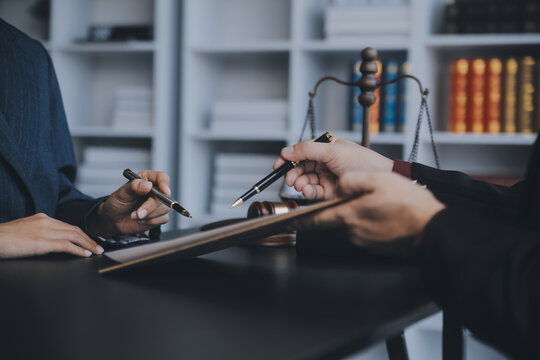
{"points": [[493, 96]]}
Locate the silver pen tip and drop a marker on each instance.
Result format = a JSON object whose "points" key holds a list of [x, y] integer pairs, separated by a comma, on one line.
{"points": [[237, 202]]}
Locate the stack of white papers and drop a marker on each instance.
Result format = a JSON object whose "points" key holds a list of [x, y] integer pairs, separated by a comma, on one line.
{"points": [[236, 173], [132, 108], [100, 172], [249, 116], [342, 22]]}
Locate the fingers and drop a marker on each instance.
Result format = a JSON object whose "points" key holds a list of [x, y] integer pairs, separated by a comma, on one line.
{"points": [[161, 179], [307, 150], [79, 238], [155, 221], [150, 208], [356, 182], [62, 230], [67, 247]]}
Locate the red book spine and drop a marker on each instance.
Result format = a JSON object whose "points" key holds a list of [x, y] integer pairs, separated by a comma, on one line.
{"points": [[458, 95], [475, 107]]}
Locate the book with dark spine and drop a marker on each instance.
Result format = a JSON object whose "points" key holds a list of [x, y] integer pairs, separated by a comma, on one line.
{"points": [[525, 95], [509, 96]]}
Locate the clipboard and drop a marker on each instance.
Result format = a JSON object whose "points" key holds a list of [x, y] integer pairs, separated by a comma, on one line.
{"points": [[212, 240]]}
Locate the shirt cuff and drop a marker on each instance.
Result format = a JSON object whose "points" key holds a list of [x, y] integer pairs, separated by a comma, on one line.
{"points": [[403, 168]]}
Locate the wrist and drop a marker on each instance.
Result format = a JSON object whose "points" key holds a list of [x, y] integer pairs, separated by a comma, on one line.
{"points": [[424, 220], [99, 224]]}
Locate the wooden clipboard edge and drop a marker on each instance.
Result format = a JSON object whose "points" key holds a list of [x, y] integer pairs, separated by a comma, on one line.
{"points": [[270, 220]]}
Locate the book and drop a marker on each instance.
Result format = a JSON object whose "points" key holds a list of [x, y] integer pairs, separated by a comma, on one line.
{"points": [[493, 96], [211, 240], [401, 102], [525, 95], [491, 16], [536, 120], [509, 97], [459, 70], [375, 109], [356, 108], [388, 122], [476, 96]]}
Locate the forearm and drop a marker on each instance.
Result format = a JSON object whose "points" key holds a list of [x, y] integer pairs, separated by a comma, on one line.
{"points": [[487, 272]]}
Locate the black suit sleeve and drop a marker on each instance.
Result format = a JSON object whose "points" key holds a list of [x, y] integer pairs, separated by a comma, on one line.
{"points": [[455, 188], [488, 272]]}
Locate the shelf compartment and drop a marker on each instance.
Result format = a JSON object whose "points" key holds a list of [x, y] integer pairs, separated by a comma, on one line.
{"points": [[237, 20], [448, 138]]}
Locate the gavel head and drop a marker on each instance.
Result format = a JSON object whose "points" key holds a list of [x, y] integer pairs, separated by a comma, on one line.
{"points": [[265, 208]]}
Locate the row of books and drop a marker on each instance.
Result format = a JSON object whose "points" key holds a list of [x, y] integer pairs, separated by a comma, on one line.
{"points": [[248, 116], [387, 114], [376, 18], [492, 16], [495, 95], [234, 174], [132, 108], [100, 172]]}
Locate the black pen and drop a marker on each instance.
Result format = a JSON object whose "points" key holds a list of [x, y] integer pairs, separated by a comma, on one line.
{"points": [[276, 174], [171, 203]]}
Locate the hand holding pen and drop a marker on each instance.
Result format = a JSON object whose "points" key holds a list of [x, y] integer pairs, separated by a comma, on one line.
{"points": [[276, 174], [322, 165], [170, 202]]}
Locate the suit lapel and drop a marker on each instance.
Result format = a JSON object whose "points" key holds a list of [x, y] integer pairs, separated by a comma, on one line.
{"points": [[9, 151]]}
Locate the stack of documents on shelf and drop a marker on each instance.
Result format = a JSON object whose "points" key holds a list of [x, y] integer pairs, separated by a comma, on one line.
{"points": [[132, 108], [349, 20], [249, 116], [236, 173], [101, 170]]}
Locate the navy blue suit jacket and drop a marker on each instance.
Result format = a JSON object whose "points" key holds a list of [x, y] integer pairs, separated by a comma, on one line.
{"points": [[37, 163]]}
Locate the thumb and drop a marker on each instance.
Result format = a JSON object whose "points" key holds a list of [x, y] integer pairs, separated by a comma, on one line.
{"points": [[356, 182], [133, 189], [308, 150]]}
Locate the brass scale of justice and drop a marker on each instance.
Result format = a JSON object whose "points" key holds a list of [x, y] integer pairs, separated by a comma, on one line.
{"points": [[367, 84]]}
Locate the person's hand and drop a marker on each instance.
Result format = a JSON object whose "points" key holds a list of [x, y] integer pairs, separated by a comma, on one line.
{"points": [[129, 209], [324, 163], [389, 208], [40, 234]]}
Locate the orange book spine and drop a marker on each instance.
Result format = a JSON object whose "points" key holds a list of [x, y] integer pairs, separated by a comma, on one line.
{"points": [[525, 101], [475, 91], [492, 112], [375, 109], [458, 95], [509, 99]]}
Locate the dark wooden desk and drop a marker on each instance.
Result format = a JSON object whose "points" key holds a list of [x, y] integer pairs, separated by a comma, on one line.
{"points": [[240, 303]]}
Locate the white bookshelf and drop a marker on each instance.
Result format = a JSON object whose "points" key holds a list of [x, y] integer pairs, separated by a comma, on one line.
{"points": [[276, 49], [89, 73]]}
